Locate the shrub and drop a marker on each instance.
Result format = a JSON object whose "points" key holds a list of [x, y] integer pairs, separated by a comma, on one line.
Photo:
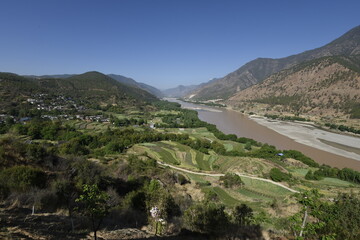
{"points": [[4, 191], [279, 176], [210, 195], [300, 157], [75, 147], [135, 200], [231, 180], [46, 200], [35, 153], [206, 218], [313, 176], [243, 215], [21, 178], [86, 172], [248, 146]]}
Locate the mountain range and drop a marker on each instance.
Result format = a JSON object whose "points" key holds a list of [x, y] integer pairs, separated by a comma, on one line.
{"points": [[258, 70]]}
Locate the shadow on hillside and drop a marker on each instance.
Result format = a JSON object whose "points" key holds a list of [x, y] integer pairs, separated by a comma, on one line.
{"points": [[18, 223], [250, 232]]}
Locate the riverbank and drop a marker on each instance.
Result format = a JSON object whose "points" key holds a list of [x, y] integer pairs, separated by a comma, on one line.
{"points": [[231, 121], [310, 135]]}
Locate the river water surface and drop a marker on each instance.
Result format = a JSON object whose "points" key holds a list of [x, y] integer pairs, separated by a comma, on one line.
{"points": [[324, 147]]}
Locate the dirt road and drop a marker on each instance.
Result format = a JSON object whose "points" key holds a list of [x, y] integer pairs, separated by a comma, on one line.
{"points": [[221, 174]]}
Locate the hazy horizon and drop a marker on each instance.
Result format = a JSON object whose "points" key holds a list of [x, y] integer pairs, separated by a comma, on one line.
{"points": [[163, 43]]}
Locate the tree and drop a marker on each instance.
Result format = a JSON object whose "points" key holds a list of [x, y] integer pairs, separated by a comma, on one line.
{"points": [[313, 176], [327, 220], [231, 180], [66, 194], [218, 148], [243, 215], [278, 176], [311, 206], [93, 205], [206, 217], [342, 218]]}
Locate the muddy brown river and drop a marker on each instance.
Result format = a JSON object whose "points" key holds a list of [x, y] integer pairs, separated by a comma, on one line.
{"points": [[229, 121]]}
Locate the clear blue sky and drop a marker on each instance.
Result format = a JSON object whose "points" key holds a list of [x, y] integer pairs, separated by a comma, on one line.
{"points": [[163, 43]]}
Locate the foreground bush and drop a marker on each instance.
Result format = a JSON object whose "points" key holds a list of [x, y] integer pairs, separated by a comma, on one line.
{"points": [[22, 178]]}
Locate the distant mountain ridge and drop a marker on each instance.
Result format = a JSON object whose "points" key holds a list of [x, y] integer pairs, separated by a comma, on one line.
{"points": [[120, 78], [50, 76], [134, 83], [257, 70], [90, 87], [181, 90]]}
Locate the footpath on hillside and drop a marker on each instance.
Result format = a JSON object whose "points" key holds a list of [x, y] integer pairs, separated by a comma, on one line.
{"points": [[221, 174]]}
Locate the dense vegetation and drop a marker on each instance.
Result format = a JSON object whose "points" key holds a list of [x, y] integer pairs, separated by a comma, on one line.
{"points": [[346, 174], [286, 118], [279, 176], [342, 128]]}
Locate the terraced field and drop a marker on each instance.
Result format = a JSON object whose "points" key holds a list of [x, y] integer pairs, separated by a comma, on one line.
{"points": [[224, 196], [93, 126], [196, 133], [264, 188], [255, 192], [299, 172], [202, 180], [335, 182], [176, 153], [248, 165], [233, 146], [256, 196]]}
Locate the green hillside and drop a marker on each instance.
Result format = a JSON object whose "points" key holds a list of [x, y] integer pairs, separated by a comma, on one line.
{"points": [[90, 89], [95, 84]]}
